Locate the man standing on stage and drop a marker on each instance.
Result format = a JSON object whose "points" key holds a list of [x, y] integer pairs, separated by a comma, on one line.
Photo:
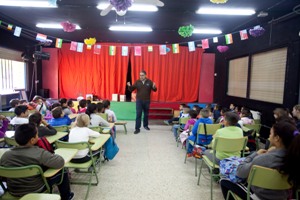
{"points": [[143, 87]]}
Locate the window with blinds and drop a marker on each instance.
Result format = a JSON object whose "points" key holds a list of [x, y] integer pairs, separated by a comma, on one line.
{"points": [[268, 76], [238, 77]]}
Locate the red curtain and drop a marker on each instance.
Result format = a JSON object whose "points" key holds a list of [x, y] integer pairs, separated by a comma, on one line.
{"points": [[89, 73], [175, 75]]}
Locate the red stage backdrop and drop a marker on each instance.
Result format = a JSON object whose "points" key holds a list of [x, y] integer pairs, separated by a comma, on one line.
{"points": [[175, 75]]}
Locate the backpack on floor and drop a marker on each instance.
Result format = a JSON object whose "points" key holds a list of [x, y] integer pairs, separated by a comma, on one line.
{"points": [[111, 148]]}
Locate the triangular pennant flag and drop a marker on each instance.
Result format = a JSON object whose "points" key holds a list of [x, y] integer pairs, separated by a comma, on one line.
{"points": [[244, 34], [162, 49], [150, 48], [73, 46], [124, 50], [97, 48], [215, 40], [9, 27], [18, 31], [112, 50], [41, 37], [191, 46], [137, 51], [79, 47], [89, 46], [228, 38], [58, 43], [205, 44], [175, 48]]}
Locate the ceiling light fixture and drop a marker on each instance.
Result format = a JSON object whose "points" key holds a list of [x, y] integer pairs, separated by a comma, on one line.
{"points": [[134, 7], [39, 4], [206, 31], [131, 28], [225, 11], [54, 26]]}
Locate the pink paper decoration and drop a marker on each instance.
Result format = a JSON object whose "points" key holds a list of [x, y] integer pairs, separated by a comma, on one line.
{"points": [[68, 26], [222, 49]]}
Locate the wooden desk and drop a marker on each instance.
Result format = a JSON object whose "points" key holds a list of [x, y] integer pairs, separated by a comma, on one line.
{"points": [[67, 155], [72, 116], [41, 196], [52, 138], [99, 141]]}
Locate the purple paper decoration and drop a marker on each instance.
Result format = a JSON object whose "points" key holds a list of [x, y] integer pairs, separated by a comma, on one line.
{"points": [[121, 4], [222, 49], [257, 31], [68, 26]]}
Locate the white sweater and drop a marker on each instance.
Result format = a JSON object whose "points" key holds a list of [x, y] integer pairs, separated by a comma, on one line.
{"points": [[82, 134], [97, 120]]}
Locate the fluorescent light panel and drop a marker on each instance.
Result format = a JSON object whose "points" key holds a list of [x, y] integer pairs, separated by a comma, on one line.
{"points": [[131, 28], [39, 4], [134, 7], [225, 11], [206, 31], [54, 26]]}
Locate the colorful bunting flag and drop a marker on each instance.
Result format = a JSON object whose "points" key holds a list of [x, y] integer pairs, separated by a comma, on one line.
{"points": [[244, 34], [124, 50], [79, 47], [41, 37], [175, 48], [228, 38], [162, 49], [191, 46], [137, 51], [18, 31], [9, 27], [73, 46], [58, 43], [205, 44], [97, 48], [150, 48], [215, 40], [89, 46], [112, 50]]}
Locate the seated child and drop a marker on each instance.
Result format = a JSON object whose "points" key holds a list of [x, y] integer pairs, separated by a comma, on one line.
{"points": [[220, 120], [71, 105], [245, 119], [81, 133], [28, 154], [217, 112], [59, 118], [13, 103], [204, 119], [193, 115], [96, 120], [4, 125], [185, 114], [22, 115], [82, 106], [41, 105], [229, 131], [46, 129], [111, 114], [168, 122], [63, 104]]}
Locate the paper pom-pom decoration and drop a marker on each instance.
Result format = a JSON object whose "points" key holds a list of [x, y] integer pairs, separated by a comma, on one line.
{"points": [[218, 1], [121, 4], [186, 31], [222, 49], [90, 41], [257, 31], [68, 26]]}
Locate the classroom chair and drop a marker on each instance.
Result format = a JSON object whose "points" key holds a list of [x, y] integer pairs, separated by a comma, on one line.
{"points": [[41, 196], [122, 123]]}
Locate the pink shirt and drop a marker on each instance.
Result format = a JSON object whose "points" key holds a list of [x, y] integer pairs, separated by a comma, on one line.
{"points": [[189, 123]]}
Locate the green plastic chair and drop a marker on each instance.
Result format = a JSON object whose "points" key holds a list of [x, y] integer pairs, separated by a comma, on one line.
{"points": [[96, 128], [182, 121], [10, 141], [8, 114], [103, 115], [266, 178], [22, 172], [40, 196], [64, 128], [211, 129], [221, 144], [81, 166]]}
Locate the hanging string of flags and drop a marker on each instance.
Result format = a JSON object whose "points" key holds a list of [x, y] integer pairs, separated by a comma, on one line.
{"points": [[163, 49]]}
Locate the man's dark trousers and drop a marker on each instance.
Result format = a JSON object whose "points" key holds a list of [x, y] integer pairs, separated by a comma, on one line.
{"points": [[142, 106]]}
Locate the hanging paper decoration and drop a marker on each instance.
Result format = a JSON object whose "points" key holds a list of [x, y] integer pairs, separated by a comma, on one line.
{"points": [[162, 49], [18, 31], [186, 31], [90, 42], [257, 31], [9, 27], [97, 49], [191, 46], [112, 50], [138, 51], [150, 48], [68, 26], [175, 48], [121, 4], [222, 49], [244, 34], [218, 1], [73, 46], [205, 44], [168, 49], [228, 38], [215, 40], [58, 43], [79, 47], [124, 50], [41, 37]]}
